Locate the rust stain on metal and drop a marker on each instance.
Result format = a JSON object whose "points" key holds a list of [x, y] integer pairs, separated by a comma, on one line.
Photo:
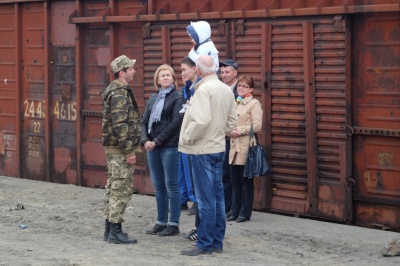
{"points": [[62, 159], [370, 181], [385, 159], [94, 92]]}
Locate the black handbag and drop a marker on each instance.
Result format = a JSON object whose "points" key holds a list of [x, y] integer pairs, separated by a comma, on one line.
{"points": [[256, 163]]}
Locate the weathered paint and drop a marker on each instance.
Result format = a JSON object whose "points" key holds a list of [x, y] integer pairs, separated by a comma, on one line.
{"points": [[62, 32], [165, 10], [377, 117], [34, 121], [9, 94]]}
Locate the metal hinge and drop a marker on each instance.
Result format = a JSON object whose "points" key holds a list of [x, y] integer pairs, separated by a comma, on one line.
{"points": [[240, 27], [147, 30], [222, 27], [337, 23]]}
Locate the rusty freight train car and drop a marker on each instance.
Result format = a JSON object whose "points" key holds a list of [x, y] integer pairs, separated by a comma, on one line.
{"points": [[327, 72]]}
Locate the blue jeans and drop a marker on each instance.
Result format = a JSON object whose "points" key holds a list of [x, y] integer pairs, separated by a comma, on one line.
{"points": [[185, 179], [207, 172], [163, 164]]}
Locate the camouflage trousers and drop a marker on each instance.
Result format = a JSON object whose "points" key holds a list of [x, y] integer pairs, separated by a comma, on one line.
{"points": [[118, 190]]}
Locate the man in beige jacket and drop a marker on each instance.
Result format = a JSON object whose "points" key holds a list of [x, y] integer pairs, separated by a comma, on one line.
{"points": [[211, 116]]}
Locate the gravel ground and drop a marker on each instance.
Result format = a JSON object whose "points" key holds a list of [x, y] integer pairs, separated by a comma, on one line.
{"points": [[65, 227]]}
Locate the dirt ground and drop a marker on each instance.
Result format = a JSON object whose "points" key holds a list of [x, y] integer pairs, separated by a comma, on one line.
{"points": [[65, 227]]}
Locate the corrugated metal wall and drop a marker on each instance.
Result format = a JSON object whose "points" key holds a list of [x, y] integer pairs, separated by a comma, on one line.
{"points": [[308, 118], [9, 92]]}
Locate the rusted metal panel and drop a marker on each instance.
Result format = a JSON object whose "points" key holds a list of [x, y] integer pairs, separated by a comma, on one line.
{"points": [[152, 56], [288, 119], [331, 80], [8, 92], [165, 10], [33, 93], [310, 113], [63, 107], [376, 117], [95, 78], [64, 114], [247, 50], [308, 121], [130, 35], [264, 186], [8, 154], [62, 32]]}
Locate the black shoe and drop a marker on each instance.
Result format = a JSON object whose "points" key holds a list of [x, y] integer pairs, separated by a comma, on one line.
{"points": [[242, 219], [157, 228], [116, 235], [193, 209], [231, 218], [184, 207], [106, 229], [169, 231], [228, 214], [192, 235], [195, 251]]}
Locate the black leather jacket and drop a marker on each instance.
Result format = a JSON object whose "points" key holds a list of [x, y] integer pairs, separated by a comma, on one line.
{"points": [[166, 131]]}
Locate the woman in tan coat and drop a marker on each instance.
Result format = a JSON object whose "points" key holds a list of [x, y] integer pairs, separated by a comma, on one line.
{"points": [[249, 112]]}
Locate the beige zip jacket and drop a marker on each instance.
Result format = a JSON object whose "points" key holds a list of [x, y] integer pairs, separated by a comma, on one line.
{"points": [[210, 117]]}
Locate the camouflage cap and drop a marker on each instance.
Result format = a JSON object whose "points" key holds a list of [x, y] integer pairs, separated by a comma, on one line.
{"points": [[120, 63]]}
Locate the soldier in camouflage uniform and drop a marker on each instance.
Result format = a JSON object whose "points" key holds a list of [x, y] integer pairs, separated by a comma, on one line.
{"points": [[121, 140]]}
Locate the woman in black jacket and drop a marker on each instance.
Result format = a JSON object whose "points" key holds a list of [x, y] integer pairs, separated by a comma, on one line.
{"points": [[161, 125]]}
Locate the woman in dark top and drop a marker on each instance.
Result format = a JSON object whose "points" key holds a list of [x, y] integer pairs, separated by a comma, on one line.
{"points": [[161, 125]]}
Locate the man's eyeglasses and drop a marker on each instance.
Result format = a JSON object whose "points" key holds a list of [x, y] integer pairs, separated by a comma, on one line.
{"points": [[243, 86]]}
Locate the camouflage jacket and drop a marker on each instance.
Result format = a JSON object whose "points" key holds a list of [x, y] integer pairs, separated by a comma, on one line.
{"points": [[121, 120]]}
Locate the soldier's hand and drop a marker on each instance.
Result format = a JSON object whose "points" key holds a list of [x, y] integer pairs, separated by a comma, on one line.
{"points": [[131, 160]]}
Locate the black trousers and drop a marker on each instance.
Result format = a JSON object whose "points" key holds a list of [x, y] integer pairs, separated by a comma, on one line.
{"points": [[243, 192], [226, 178]]}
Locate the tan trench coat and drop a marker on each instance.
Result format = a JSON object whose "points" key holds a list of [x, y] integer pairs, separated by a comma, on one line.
{"points": [[249, 111]]}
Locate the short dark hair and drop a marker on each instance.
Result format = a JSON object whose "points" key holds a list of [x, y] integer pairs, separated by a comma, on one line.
{"points": [[116, 75], [187, 61], [246, 79]]}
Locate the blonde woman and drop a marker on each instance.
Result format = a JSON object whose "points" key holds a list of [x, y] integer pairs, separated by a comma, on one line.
{"points": [[161, 125]]}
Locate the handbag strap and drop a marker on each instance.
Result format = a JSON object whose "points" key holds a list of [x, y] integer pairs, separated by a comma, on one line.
{"points": [[253, 135]]}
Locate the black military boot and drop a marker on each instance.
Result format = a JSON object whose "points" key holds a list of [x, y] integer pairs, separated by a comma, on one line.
{"points": [[106, 230], [117, 237]]}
